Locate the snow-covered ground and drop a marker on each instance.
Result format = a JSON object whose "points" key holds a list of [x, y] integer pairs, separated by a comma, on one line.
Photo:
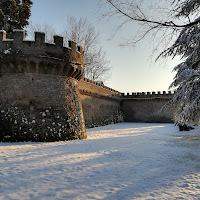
{"points": [[117, 162]]}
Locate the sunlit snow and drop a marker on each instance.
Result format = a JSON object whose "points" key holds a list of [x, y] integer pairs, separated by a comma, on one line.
{"points": [[117, 162]]}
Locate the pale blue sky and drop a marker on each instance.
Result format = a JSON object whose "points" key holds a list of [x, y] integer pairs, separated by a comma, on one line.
{"points": [[132, 70]]}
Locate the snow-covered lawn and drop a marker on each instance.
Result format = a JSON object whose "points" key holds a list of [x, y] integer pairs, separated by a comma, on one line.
{"points": [[117, 162]]}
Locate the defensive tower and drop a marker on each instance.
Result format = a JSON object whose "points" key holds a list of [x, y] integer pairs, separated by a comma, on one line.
{"points": [[39, 99]]}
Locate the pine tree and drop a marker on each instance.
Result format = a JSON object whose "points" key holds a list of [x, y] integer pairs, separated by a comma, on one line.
{"points": [[14, 14], [187, 80]]}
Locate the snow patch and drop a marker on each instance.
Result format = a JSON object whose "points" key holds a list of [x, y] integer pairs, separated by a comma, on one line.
{"points": [[121, 161]]}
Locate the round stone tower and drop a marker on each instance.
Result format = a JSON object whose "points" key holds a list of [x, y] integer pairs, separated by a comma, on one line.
{"points": [[39, 99]]}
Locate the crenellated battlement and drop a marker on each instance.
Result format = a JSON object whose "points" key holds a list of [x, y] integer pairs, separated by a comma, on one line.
{"points": [[148, 95], [102, 86], [40, 57]]}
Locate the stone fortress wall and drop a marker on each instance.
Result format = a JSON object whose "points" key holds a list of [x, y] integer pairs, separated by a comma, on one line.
{"points": [[103, 105], [145, 107], [39, 99], [44, 96]]}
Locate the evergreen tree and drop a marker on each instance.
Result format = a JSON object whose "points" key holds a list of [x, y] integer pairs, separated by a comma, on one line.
{"points": [[14, 14], [187, 80]]}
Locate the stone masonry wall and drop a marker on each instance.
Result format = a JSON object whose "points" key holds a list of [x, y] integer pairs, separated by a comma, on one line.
{"points": [[145, 107], [42, 107], [101, 104]]}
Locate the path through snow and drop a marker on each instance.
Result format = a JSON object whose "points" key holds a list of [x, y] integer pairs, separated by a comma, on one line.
{"points": [[117, 162]]}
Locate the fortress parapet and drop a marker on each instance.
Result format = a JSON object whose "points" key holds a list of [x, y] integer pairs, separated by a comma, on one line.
{"points": [[101, 86], [148, 95], [39, 98], [40, 57]]}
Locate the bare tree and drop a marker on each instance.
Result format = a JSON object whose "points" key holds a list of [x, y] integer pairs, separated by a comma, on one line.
{"points": [[46, 28], [179, 23], [153, 18], [97, 66]]}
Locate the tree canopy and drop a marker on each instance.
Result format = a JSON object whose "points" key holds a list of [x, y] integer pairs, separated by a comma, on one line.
{"points": [[14, 14]]}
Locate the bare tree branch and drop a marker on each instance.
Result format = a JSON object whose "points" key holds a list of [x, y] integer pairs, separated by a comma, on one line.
{"points": [[144, 19], [97, 66]]}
